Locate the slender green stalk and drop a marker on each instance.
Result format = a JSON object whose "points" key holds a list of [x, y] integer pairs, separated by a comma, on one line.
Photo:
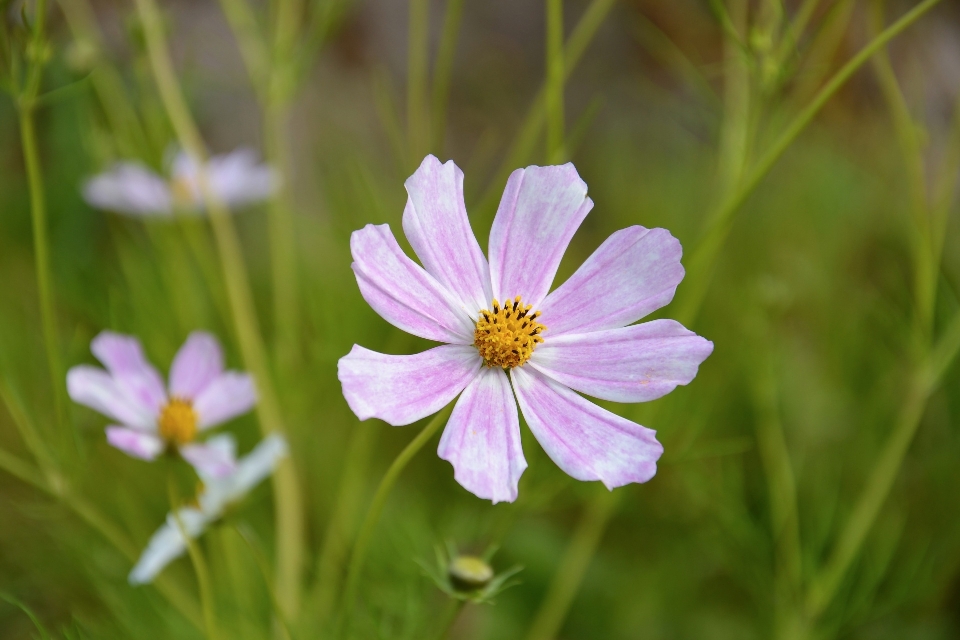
{"points": [[250, 42], [335, 540], [199, 564], [554, 82], [734, 133], [525, 141], [362, 544], [247, 537], [700, 265], [573, 565], [289, 515], [449, 617], [418, 54], [442, 70], [20, 469]]}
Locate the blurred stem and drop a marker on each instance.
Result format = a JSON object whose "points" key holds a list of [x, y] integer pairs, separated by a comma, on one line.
{"points": [[526, 139], [262, 564], [26, 106], [28, 430], [418, 53], [449, 618], [196, 558], [704, 256], [289, 516], [243, 22], [734, 133], [554, 82], [926, 257], [573, 565], [362, 543], [782, 494], [335, 540], [795, 29], [442, 70]]}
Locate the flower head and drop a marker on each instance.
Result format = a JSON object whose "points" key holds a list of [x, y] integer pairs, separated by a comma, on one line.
{"points": [[131, 188], [153, 418], [509, 336], [216, 496]]}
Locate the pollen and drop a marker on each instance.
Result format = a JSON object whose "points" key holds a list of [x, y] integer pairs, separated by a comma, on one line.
{"points": [[178, 422], [507, 336]]}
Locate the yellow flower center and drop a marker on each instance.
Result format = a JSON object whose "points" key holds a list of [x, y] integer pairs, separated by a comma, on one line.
{"points": [[178, 422], [182, 191], [507, 336]]}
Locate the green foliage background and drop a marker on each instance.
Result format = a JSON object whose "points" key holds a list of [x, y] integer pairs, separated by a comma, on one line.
{"points": [[813, 304]]}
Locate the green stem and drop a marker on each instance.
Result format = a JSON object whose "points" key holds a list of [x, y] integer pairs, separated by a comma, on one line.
{"points": [[289, 515], [199, 564], [365, 534], [554, 82], [704, 256], [574, 564], [442, 70], [449, 618], [418, 53]]}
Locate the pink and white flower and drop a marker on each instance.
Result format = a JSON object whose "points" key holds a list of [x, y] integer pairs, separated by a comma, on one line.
{"points": [[153, 418], [131, 188], [508, 335], [217, 495]]}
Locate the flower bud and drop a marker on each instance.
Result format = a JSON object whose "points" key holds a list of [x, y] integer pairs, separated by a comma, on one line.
{"points": [[468, 573]]}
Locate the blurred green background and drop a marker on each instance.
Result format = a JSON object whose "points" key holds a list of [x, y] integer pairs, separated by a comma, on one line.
{"points": [[774, 455]]}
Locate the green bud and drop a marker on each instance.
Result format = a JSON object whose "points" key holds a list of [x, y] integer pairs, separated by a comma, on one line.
{"points": [[469, 573]]}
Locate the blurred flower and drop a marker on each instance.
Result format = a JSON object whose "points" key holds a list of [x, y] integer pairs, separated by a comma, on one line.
{"points": [[201, 395], [131, 188], [574, 339], [217, 495]]}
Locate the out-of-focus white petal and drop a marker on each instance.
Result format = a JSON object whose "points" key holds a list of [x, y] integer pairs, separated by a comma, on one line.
{"points": [[250, 471], [168, 544], [129, 188], [238, 177], [215, 458]]}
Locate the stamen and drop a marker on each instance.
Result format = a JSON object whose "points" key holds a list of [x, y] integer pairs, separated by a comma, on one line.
{"points": [[178, 422], [500, 337]]}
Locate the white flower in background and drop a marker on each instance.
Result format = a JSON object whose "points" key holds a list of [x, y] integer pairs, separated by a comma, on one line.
{"points": [[153, 418], [238, 178], [216, 496]]}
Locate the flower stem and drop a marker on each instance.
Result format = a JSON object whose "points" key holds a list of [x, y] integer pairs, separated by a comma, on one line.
{"points": [[418, 60], [574, 564], [196, 558], [362, 544], [554, 82], [289, 515], [449, 618]]}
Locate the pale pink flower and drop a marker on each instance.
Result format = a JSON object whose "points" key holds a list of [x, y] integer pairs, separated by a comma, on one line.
{"points": [[153, 419], [131, 188], [504, 327]]}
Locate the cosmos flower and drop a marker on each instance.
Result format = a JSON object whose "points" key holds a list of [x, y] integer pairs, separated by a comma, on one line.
{"points": [[507, 335], [216, 497], [154, 419], [131, 188]]}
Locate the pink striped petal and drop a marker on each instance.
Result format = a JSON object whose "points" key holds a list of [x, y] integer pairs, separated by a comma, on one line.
{"points": [[227, 396], [198, 362], [540, 210], [587, 442], [631, 364], [97, 389], [403, 293], [633, 273], [482, 438], [402, 389], [138, 444], [213, 459], [436, 224], [124, 359]]}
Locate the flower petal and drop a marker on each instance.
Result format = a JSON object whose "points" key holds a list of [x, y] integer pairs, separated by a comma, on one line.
{"points": [[250, 471], [238, 178], [402, 389], [196, 365], [123, 357], [631, 364], [168, 543], [129, 188], [403, 293], [482, 438], [633, 273], [586, 441], [95, 388], [138, 444], [215, 458], [227, 396], [540, 210], [436, 224]]}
